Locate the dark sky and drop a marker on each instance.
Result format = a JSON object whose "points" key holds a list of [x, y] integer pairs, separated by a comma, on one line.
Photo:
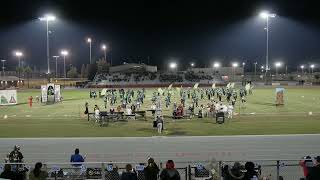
{"points": [[185, 31]]}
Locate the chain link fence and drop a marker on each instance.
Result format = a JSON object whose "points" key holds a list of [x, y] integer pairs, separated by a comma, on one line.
{"points": [[204, 170]]}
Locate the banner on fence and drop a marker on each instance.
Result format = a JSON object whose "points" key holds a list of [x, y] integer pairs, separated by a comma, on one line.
{"points": [[8, 97]]}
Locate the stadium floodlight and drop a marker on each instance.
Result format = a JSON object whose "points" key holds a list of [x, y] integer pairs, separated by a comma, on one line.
{"points": [[302, 66], [312, 67], [266, 15], [18, 54], [56, 57], [104, 48], [173, 65], [216, 65], [277, 64], [234, 65], [192, 64], [64, 53], [48, 18], [89, 40]]}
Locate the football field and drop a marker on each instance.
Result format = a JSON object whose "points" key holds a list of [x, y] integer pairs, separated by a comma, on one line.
{"points": [[258, 116]]}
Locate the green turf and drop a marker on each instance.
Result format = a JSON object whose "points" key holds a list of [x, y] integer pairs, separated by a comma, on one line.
{"points": [[259, 116]]}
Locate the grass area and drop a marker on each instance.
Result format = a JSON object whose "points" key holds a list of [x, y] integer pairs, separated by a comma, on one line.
{"points": [[258, 116]]}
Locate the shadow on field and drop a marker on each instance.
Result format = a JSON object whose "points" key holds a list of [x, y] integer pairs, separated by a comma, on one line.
{"points": [[264, 103], [177, 132], [21, 104]]}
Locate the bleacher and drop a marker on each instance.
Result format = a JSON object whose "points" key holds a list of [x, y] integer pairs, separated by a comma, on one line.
{"points": [[154, 78]]}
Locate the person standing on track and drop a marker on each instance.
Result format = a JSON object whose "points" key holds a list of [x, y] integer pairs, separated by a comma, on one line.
{"points": [[30, 101]]}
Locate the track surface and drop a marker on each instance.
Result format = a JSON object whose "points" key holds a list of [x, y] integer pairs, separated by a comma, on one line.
{"points": [[163, 148]]}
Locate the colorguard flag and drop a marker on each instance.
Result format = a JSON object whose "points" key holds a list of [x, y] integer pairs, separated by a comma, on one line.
{"points": [[213, 86], [160, 90], [196, 86], [228, 85], [170, 86], [247, 87]]}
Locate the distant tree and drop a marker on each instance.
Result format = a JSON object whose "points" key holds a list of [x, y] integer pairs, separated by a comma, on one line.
{"points": [[102, 65], [83, 71], [19, 70], [28, 71], [86, 72], [72, 73]]}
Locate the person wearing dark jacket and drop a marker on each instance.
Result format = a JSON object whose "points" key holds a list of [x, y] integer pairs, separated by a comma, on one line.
{"points": [[235, 173], [7, 173], [129, 174], [170, 173], [151, 171], [314, 173], [250, 172]]}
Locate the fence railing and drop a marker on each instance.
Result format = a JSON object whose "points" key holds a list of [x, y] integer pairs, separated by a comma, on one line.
{"points": [[204, 170]]}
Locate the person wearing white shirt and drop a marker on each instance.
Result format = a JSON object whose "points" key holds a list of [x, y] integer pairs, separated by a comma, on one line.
{"points": [[230, 111]]}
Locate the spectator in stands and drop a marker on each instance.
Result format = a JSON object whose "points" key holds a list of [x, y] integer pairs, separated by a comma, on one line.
{"points": [[314, 173], [250, 173], [7, 173], [76, 158], [129, 174], [151, 171], [170, 173], [37, 173], [306, 165], [16, 156], [235, 173]]}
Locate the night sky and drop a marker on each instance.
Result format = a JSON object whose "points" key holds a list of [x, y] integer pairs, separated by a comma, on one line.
{"points": [[161, 31]]}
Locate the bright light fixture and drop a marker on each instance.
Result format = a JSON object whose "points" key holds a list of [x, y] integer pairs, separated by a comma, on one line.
{"points": [[18, 53], [216, 65], [173, 65], [48, 17], [278, 64], [234, 64], [64, 52]]}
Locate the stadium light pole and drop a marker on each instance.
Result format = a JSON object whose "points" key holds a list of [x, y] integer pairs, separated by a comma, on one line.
{"points": [[56, 57], [277, 64], [243, 66], [216, 65], [48, 18], [192, 64], [266, 15], [312, 67], [234, 65], [64, 53], [3, 60], [104, 48], [302, 67], [255, 69], [89, 40], [19, 54]]}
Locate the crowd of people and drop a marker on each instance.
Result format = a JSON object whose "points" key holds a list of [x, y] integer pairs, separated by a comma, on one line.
{"points": [[170, 78], [151, 171], [196, 77]]}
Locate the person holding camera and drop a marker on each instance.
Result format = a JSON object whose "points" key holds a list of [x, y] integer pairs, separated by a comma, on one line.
{"points": [[151, 171]]}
